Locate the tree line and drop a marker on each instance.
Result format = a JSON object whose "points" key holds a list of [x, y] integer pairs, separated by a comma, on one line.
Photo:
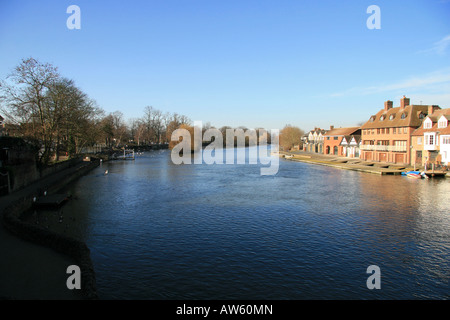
{"points": [[50, 112], [55, 116]]}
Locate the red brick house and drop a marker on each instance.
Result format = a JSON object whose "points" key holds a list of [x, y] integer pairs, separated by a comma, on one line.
{"points": [[333, 139]]}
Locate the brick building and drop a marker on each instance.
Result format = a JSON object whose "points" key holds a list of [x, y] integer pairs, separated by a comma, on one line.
{"points": [[386, 137], [333, 139]]}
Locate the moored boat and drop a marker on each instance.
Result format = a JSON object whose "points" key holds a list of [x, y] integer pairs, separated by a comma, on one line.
{"points": [[415, 174]]}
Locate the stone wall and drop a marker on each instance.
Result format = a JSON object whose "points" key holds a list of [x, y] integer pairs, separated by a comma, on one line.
{"points": [[75, 249], [59, 166]]}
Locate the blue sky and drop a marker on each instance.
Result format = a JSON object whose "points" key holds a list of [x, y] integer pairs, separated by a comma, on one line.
{"points": [[252, 63]]}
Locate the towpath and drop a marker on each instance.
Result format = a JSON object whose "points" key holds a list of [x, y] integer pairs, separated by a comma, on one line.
{"points": [[27, 270]]}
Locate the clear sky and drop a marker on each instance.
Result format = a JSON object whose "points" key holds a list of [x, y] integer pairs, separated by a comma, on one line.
{"points": [[240, 62]]}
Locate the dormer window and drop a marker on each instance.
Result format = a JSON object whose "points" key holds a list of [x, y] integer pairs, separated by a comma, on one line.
{"points": [[382, 117], [391, 117], [372, 118], [427, 124], [421, 115], [443, 123], [404, 115]]}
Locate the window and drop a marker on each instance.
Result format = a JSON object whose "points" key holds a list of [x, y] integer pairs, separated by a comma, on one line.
{"points": [[400, 143], [419, 140], [394, 130], [382, 117], [335, 138], [328, 138], [404, 115], [445, 140], [387, 130], [421, 115], [430, 140], [378, 131], [382, 131], [405, 130], [391, 117], [427, 124], [442, 124]]}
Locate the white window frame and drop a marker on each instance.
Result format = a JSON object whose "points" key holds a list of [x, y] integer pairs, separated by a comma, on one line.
{"points": [[427, 124], [428, 140]]}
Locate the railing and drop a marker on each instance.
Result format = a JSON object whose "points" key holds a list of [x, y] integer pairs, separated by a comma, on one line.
{"points": [[369, 147], [430, 147]]}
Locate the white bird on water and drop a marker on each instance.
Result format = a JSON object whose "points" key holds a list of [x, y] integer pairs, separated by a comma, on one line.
{"points": [[106, 172]]}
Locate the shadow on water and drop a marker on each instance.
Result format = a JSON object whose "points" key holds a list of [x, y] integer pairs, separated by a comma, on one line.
{"points": [[162, 231]]}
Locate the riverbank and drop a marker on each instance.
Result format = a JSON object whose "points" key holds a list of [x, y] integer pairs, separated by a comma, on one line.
{"points": [[354, 164], [34, 260]]}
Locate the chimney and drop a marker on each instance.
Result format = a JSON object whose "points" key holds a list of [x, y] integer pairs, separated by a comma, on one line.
{"points": [[331, 127], [388, 105], [432, 109], [404, 102]]}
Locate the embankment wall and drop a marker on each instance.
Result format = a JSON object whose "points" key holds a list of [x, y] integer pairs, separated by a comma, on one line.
{"points": [[75, 249]]}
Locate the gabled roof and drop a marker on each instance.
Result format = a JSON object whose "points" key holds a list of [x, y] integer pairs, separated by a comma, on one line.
{"points": [[421, 131], [349, 139], [397, 117], [436, 115], [357, 138], [342, 131], [317, 130]]}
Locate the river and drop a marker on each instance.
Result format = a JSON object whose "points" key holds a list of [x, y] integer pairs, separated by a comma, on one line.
{"points": [[162, 231]]}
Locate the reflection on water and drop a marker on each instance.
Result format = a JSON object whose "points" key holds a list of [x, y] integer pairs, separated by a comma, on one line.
{"points": [[161, 231]]}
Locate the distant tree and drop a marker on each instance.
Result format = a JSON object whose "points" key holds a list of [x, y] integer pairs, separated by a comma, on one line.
{"points": [[120, 130], [290, 136], [187, 127], [107, 130], [137, 129], [174, 122]]}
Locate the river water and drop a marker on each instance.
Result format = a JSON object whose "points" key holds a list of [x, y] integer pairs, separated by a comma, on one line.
{"points": [[161, 231]]}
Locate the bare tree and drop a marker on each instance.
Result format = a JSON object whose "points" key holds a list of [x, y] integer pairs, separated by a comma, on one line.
{"points": [[137, 128], [120, 130], [290, 136], [26, 99]]}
